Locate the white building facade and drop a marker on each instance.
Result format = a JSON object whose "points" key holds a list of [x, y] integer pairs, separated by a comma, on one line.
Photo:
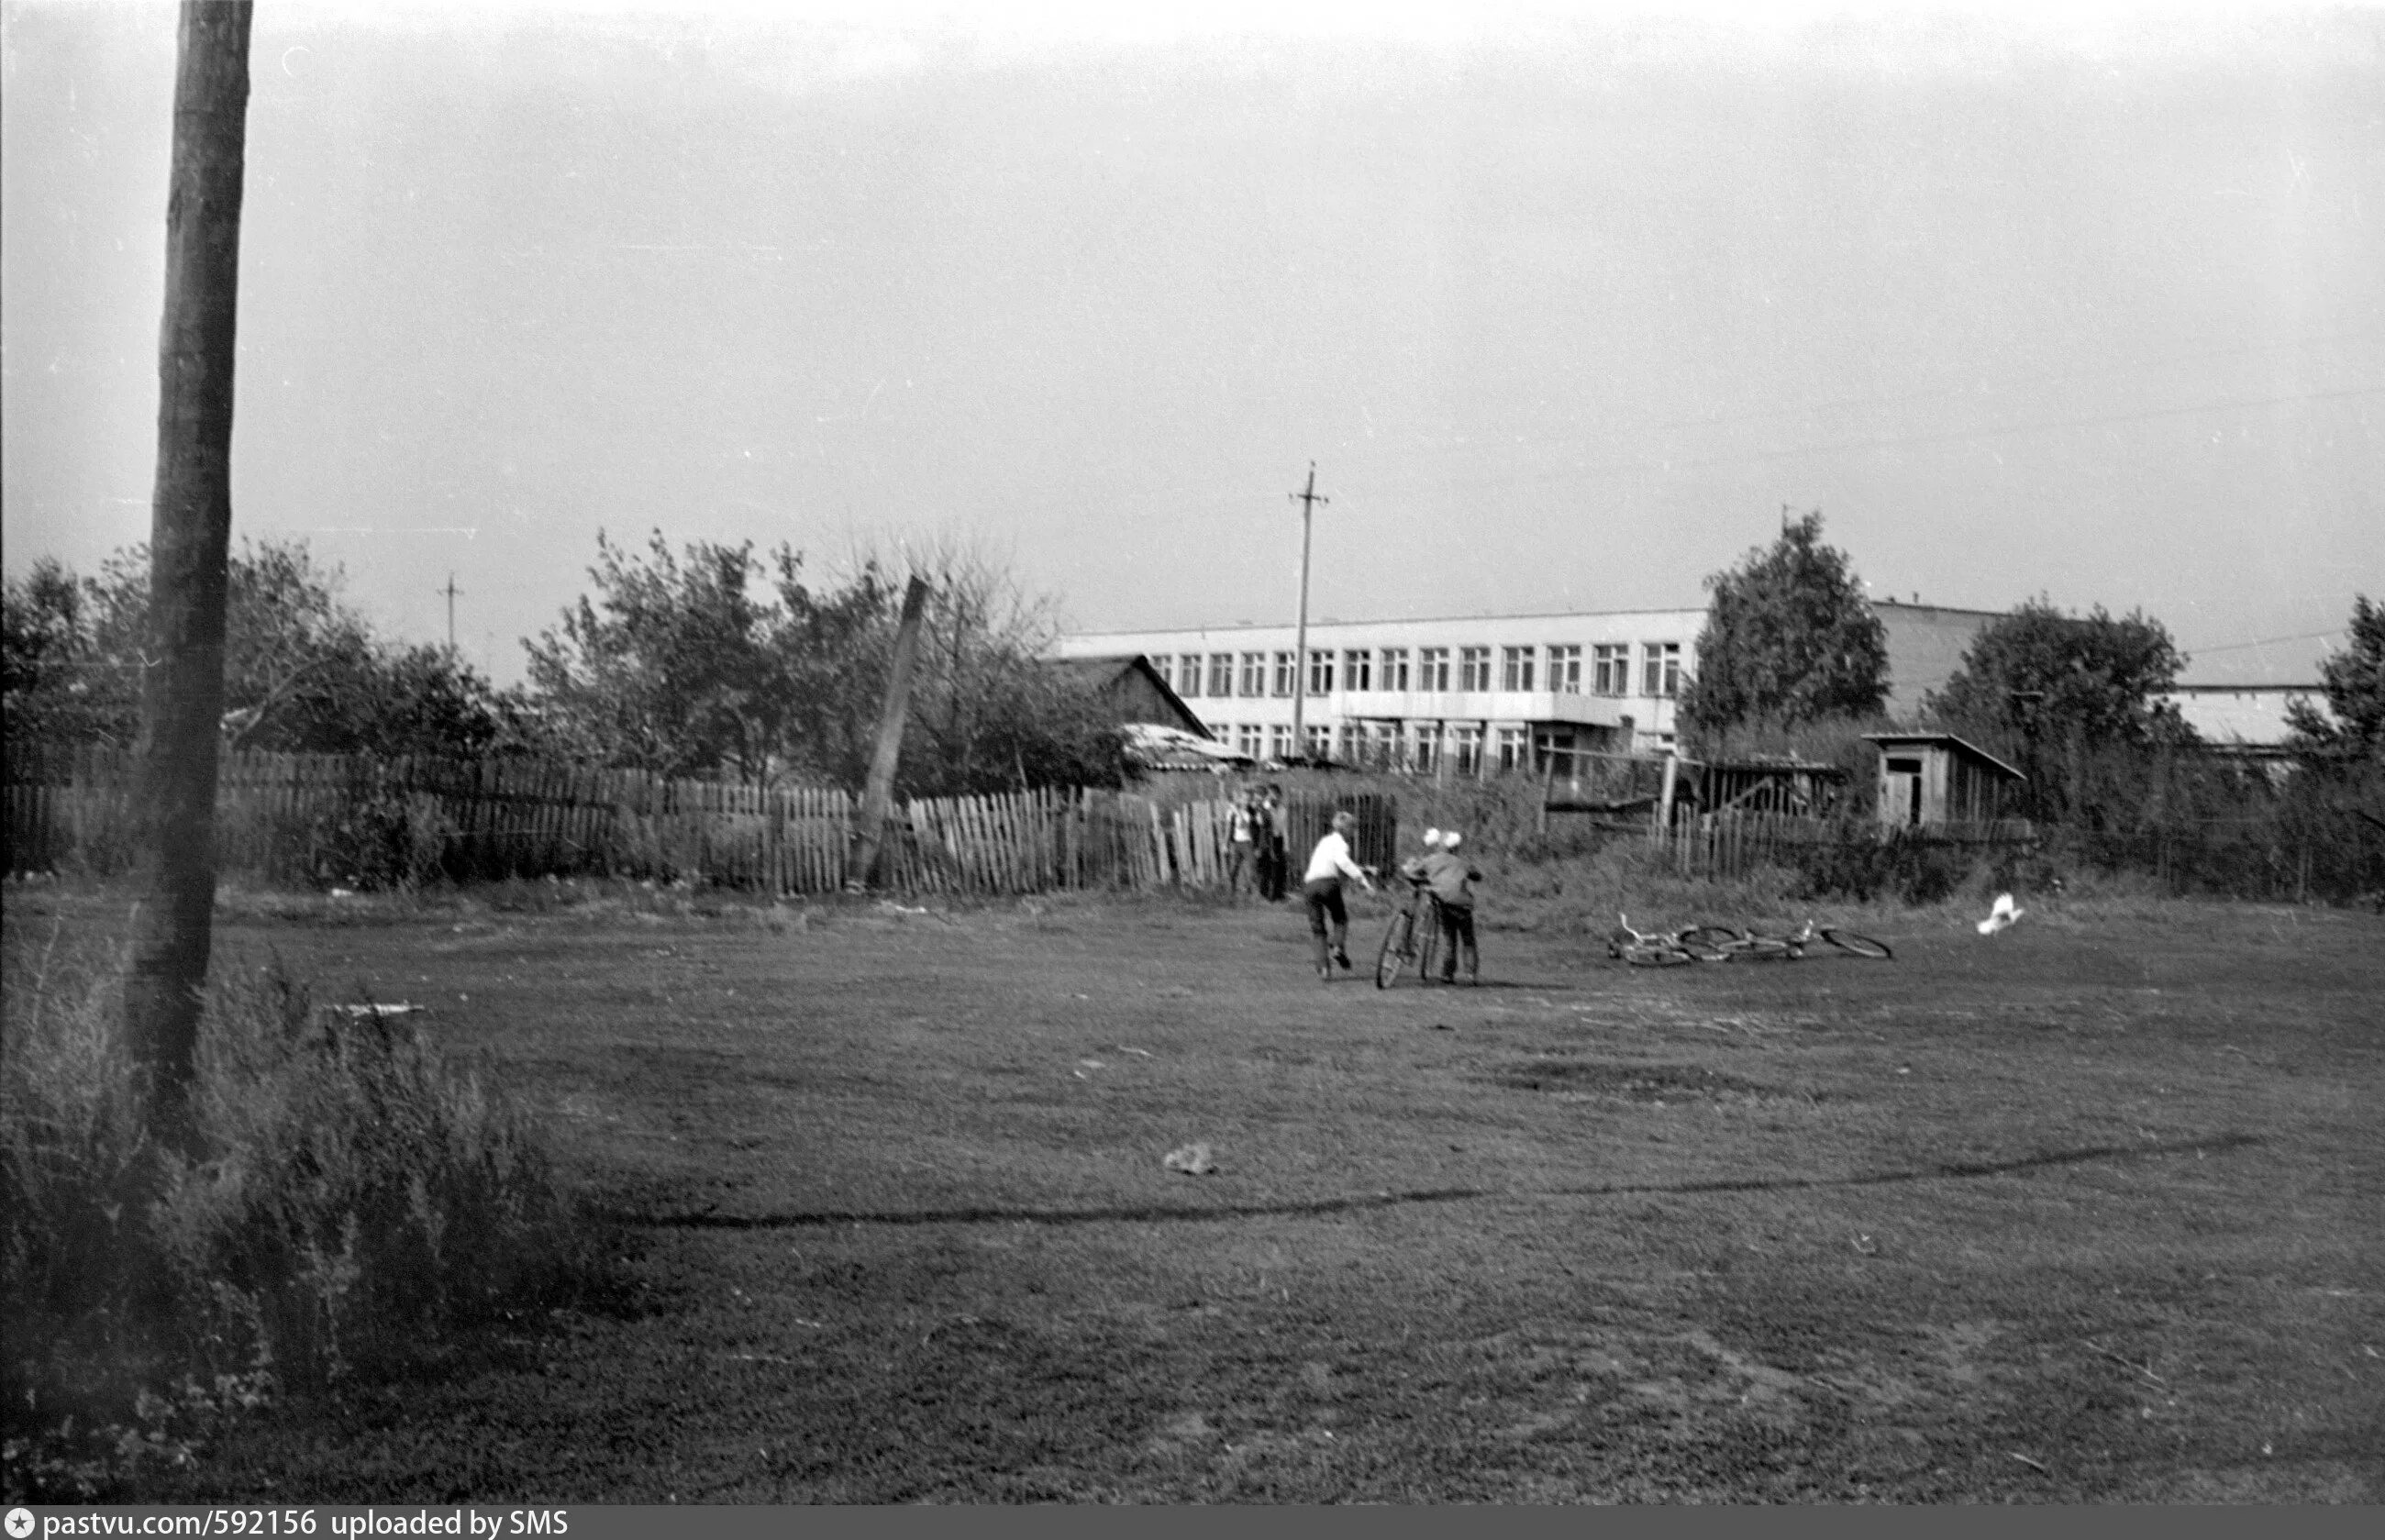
{"points": [[1481, 693]]}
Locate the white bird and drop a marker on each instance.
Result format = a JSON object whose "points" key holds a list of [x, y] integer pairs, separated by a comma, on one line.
{"points": [[2001, 916]]}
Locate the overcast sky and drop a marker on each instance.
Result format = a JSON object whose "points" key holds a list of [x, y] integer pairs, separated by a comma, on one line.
{"points": [[1564, 306]]}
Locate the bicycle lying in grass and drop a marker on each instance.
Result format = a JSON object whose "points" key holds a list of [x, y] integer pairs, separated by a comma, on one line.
{"points": [[1667, 949], [1728, 944]]}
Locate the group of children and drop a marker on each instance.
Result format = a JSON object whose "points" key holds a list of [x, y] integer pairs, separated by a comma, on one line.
{"points": [[1448, 876], [1257, 843]]}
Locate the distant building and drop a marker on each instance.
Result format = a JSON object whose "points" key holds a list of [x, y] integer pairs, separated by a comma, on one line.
{"points": [[1486, 692], [1481, 693], [1926, 643]]}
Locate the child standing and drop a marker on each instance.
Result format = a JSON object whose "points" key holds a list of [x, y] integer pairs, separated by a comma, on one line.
{"points": [[1452, 878]]}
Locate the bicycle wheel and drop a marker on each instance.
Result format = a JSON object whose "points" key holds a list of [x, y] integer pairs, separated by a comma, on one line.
{"points": [[1655, 955], [1862, 946], [1394, 954], [1707, 943]]}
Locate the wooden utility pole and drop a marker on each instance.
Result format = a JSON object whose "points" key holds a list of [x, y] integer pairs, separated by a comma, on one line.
{"points": [[190, 539], [450, 590], [878, 794], [1307, 499]]}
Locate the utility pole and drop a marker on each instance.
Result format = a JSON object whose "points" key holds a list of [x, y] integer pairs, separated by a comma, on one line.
{"points": [[450, 590], [1307, 499], [190, 537], [877, 792]]}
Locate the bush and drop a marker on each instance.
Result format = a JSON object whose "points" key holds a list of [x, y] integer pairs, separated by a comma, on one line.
{"points": [[353, 1201]]}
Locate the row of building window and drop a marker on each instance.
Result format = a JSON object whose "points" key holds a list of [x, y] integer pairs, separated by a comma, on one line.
{"points": [[1388, 744], [1561, 670]]}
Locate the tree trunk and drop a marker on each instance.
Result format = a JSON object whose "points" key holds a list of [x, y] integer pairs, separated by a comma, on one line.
{"points": [[181, 677]]}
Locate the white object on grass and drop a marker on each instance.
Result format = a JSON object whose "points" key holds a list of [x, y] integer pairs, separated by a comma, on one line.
{"points": [[1192, 1160], [2001, 916]]}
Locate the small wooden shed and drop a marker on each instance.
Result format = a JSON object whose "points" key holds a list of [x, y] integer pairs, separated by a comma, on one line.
{"points": [[1930, 780]]}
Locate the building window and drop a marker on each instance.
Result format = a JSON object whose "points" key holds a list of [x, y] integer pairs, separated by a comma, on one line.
{"points": [[1350, 750], [1432, 668], [1516, 667], [1383, 745], [1661, 670], [1395, 668], [1321, 740], [1466, 745], [1320, 673], [1610, 669], [1358, 669], [1511, 749], [1188, 676], [1473, 668], [1221, 674], [1165, 666], [1280, 739], [1564, 670], [1246, 739], [1254, 674], [1284, 674], [1426, 752]]}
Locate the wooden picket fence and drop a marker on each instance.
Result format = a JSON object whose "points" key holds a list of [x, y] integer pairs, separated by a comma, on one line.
{"points": [[330, 819], [1730, 845]]}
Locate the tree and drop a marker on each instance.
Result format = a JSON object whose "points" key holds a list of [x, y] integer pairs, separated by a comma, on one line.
{"points": [[44, 648], [669, 670], [303, 672], [181, 679], [705, 661], [1788, 638], [2090, 678], [2081, 687], [2353, 727]]}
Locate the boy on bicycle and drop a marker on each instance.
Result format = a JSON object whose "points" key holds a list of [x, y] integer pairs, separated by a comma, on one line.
{"points": [[1451, 879]]}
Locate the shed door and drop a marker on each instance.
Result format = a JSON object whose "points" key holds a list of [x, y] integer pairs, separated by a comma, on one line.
{"points": [[1903, 789]]}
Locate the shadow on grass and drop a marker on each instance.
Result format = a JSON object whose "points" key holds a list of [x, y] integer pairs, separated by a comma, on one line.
{"points": [[1156, 1213]]}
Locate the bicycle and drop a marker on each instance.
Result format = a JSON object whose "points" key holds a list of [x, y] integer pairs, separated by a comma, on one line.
{"points": [[1401, 945], [1664, 948], [1757, 947]]}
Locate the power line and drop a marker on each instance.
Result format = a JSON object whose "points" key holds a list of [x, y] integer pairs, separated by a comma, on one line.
{"points": [[2265, 641]]}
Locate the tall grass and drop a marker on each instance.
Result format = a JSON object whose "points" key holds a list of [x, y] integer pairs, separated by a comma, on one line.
{"points": [[352, 1201]]}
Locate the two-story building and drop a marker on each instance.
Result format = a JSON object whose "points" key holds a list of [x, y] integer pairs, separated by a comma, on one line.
{"points": [[1482, 692], [1486, 692]]}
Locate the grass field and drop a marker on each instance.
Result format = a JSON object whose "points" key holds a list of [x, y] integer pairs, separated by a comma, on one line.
{"points": [[2094, 1210]]}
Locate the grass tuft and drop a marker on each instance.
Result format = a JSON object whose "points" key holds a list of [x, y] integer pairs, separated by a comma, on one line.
{"points": [[354, 1202]]}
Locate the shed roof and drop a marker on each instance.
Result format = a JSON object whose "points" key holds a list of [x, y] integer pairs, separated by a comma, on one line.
{"points": [[1943, 740], [1106, 673]]}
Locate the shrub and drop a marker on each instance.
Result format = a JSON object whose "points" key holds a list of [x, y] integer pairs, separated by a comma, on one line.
{"points": [[352, 1201]]}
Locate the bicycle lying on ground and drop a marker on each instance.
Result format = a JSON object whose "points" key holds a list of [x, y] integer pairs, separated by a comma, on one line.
{"points": [[1727, 944], [1667, 949], [1413, 936]]}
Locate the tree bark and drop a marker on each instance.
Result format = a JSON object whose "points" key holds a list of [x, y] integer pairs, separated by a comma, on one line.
{"points": [[182, 675]]}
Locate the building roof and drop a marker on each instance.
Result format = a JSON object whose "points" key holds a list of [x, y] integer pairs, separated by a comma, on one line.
{"points": [[1111, 672], [1899, 605], [1944, 740]]}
